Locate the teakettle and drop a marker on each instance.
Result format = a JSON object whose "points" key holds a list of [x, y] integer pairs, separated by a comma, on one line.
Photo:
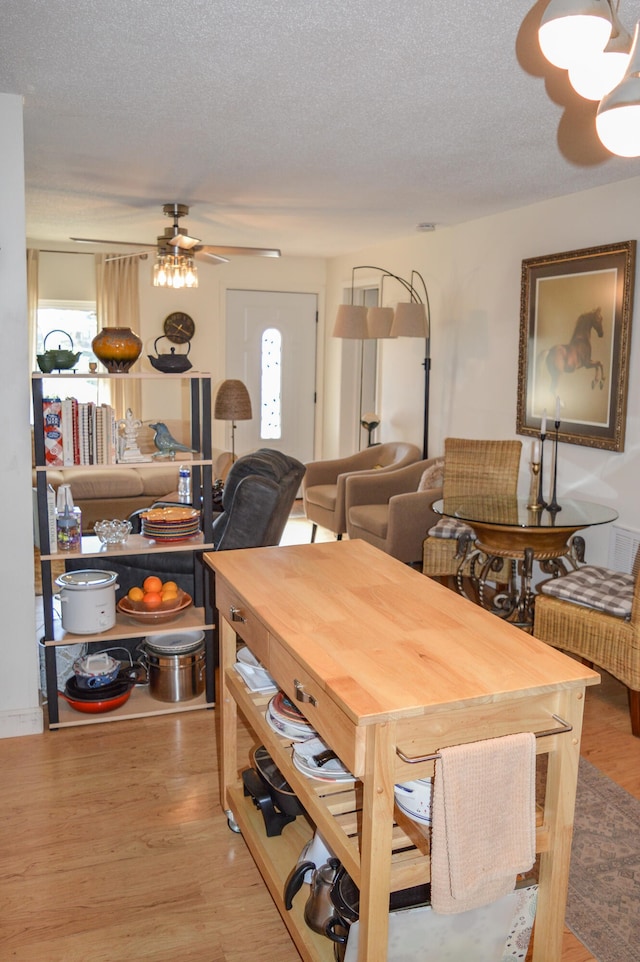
{"points": [[60, 360], [170, 363], [319, 909]]}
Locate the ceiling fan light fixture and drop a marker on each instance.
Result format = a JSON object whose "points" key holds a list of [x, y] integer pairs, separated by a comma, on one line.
{"points": [[572, 30], [175, 270]]}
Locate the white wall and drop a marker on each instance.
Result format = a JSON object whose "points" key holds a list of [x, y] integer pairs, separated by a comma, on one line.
{"points": [[473, 276], [20, 713]]}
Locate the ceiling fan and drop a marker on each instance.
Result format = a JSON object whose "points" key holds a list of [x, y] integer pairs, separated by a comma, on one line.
{"points": [[176, 239]]}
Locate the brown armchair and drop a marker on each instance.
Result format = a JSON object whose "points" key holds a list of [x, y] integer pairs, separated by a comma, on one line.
{"points": [[324, 484], [595, 613], [392, 510], [470, 467]]}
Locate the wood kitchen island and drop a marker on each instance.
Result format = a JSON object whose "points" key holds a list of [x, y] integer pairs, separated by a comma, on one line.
{"points": [[383, 660]]}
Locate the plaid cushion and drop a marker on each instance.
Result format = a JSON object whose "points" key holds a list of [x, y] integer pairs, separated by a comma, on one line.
{"points": [[599, 588], [450, 528]]}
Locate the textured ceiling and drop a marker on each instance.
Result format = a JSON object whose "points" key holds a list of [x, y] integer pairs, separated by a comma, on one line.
{"points": [[318, 128]]}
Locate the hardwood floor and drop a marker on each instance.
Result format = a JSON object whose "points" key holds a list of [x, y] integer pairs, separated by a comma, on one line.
{"points": [[114, 846]]}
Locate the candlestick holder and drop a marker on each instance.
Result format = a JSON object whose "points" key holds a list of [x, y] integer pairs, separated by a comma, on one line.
{"points": [[553, 505], [540, 502], [533, 492]]}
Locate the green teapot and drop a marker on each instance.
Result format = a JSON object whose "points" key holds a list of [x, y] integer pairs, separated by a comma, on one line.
{"points": [[60, 360]]}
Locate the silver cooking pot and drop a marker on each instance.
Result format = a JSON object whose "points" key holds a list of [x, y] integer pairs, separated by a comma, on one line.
{"points": [[88, 600], [176, 665]]}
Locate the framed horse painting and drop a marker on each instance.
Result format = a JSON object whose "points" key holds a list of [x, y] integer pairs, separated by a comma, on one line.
{"points": [[575, 334]]}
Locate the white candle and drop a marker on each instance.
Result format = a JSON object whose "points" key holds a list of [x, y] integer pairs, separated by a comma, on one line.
{"points": [[535, 455], [543, 426], [558, 408]]}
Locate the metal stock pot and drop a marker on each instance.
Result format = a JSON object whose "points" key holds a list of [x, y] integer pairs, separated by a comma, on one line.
{"points": [[88, 600], [176, 665]]}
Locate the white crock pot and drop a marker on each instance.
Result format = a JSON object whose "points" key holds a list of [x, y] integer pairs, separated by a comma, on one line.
{"points": [[88, 600]]}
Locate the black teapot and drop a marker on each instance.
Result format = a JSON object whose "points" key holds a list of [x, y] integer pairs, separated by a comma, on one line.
{"points": [[60, 360], [170, 363]]}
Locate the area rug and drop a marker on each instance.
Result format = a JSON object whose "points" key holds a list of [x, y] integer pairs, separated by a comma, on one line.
{"points": [[603, 907]]}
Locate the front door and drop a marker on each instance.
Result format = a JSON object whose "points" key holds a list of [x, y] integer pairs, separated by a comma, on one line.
{"points": [[271, 347]]}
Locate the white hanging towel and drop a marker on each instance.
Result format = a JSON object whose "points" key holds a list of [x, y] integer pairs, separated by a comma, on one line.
{"points": [[483, 831]]}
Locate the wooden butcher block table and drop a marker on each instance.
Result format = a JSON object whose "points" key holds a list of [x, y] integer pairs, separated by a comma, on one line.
{"points": [[382, 660]]}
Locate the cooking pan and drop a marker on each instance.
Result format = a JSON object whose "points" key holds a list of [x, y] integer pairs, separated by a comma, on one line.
{"points": [[97, 700]]}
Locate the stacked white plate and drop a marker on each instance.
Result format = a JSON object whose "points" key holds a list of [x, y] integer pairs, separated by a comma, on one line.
{"points": [[255, 677], [306, 760], [285, 719], [414, 799]]}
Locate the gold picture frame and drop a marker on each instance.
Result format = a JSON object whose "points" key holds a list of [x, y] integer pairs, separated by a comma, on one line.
{"points": [[575, 337]]}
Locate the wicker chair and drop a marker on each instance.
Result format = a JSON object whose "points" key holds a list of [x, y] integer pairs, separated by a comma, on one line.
{"points": [[575, 613], [470, 468]]}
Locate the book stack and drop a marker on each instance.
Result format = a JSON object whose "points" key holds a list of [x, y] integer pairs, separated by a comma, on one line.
{"points": [[78, 432]]}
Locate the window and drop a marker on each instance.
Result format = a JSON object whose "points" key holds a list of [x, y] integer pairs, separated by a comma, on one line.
{"points": [[271, 385], [70, 326]]}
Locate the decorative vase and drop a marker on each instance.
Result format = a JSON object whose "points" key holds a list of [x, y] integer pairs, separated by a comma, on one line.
{"points": [[118, 348]]}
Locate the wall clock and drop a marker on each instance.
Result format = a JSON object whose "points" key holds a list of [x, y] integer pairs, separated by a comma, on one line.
{"points": [[179, 327]]}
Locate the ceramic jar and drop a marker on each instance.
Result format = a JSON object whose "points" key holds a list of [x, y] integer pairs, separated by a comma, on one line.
{"points": [[117, 347]]}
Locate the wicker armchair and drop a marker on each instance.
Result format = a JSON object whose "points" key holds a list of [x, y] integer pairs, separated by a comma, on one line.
{"points": [[324, 484], [597, 635], [470, 468]]}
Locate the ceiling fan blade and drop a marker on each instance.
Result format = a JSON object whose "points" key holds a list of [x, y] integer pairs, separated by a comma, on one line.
{"points": [[216, 258], [141, 254], [94, 240], [183, 241], [241, 251]]}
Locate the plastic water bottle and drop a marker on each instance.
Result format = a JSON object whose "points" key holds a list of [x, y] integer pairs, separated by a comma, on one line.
{"points": [[184, 484]]}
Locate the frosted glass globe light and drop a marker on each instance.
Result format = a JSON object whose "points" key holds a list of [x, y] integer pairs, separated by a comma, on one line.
{"points": [[618, 117], [571, 30], [596, 76], [594, 79]]}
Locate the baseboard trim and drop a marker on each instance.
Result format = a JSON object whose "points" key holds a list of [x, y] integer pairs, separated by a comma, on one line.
{"points": [[21, 722]]}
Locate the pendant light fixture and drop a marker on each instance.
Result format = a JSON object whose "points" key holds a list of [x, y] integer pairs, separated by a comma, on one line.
{"points": [[618, 117], [594, 76], [572, 29]]}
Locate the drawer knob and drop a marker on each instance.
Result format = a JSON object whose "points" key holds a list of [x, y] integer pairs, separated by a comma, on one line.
{"points": [[236, 615], [302, 695]]}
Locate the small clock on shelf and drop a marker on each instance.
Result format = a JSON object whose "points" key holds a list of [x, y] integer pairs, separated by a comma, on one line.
{"points": [[179, 327]]}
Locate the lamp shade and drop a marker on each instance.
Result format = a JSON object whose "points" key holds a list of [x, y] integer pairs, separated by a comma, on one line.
{"points": [[571, 30], [379, 321], [618, 117], [232, 402], [410, 320], [351, 322]]}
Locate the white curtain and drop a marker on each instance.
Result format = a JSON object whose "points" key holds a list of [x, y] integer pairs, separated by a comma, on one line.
{"points": [[118, 305], [32, 304]]}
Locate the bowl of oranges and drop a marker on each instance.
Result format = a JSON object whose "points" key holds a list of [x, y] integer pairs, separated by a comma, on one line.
{"points": [[155, 602]]}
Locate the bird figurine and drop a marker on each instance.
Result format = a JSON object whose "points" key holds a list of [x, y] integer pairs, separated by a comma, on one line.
{"points": [[165, 442]]}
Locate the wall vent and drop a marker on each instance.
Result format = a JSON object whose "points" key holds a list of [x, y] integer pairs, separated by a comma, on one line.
{"points": [[624, 544]]}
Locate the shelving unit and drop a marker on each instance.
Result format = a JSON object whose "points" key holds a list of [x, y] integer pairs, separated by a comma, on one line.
{"points": [[388, 667], [199, 616]]}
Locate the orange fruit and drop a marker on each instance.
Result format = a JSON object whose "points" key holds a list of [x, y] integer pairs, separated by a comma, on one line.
{"points": [[152, 583], [135, 594], [170, 586], [152, 599], [169, 594]]}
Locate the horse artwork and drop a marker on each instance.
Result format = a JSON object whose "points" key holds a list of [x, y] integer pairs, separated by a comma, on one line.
{"points": [[568, 358]]}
